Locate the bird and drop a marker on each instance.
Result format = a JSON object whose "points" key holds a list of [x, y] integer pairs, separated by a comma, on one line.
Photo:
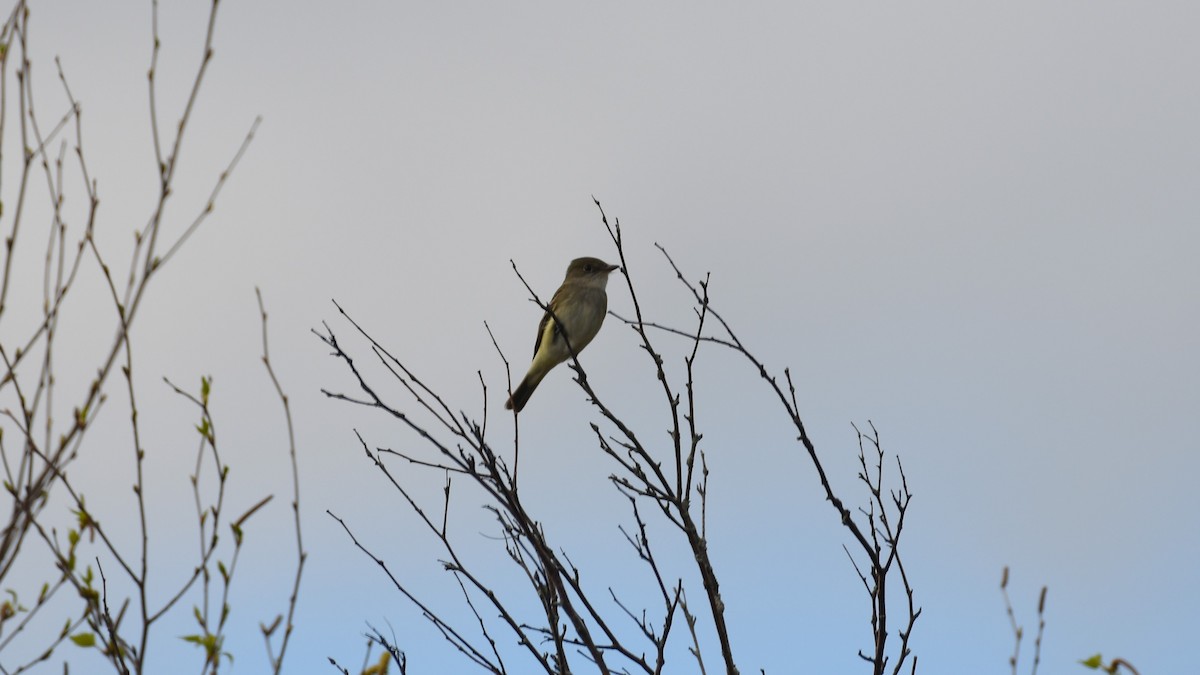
{"points": [[579, 305]]}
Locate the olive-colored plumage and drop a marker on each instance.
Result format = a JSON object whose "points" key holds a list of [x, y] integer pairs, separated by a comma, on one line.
{"points": [[579, 305]]}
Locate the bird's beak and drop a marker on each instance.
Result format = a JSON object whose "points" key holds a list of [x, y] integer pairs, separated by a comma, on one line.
{"points": [[613, 268]]}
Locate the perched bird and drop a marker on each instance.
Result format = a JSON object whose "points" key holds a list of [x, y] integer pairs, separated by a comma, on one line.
{"points": [[580, 305]]}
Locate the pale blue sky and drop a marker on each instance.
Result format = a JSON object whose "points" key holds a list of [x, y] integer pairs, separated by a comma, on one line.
{"points": [[974, 224]]}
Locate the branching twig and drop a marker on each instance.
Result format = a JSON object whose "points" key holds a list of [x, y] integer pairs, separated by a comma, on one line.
{"points": [[666, 478], [301, 554]]}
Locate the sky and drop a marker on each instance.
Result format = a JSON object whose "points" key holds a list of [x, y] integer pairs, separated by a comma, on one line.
{"points": [[972, 224]]}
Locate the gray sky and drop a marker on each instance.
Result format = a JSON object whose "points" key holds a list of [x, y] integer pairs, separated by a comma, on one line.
{"points": [[974, 224]]}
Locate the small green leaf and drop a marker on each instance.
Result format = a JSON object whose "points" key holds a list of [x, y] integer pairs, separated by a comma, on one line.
{"points": [[210, 642], [84, 639], [84, 518], [1095, 661]]}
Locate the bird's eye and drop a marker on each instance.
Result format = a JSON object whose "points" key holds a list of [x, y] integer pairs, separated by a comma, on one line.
{"points": [[587, 268]]}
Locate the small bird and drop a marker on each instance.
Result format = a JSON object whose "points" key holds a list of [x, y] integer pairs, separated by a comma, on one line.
{"points": [[580, 305]]}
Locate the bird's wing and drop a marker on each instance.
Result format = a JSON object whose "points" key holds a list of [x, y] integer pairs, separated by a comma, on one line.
{"points": [[545, 320], [541, 331]]}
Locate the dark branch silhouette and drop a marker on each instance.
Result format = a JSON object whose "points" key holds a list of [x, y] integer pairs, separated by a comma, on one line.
{"points": [[579, 625]]}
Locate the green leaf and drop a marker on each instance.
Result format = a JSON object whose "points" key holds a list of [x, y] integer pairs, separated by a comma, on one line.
{"points": [[81, 514], [205, 388], [210, 642], [1093, 662], [84, 639]]}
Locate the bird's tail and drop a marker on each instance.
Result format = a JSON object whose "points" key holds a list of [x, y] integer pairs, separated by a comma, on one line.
{"points": [[521, 394]]}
